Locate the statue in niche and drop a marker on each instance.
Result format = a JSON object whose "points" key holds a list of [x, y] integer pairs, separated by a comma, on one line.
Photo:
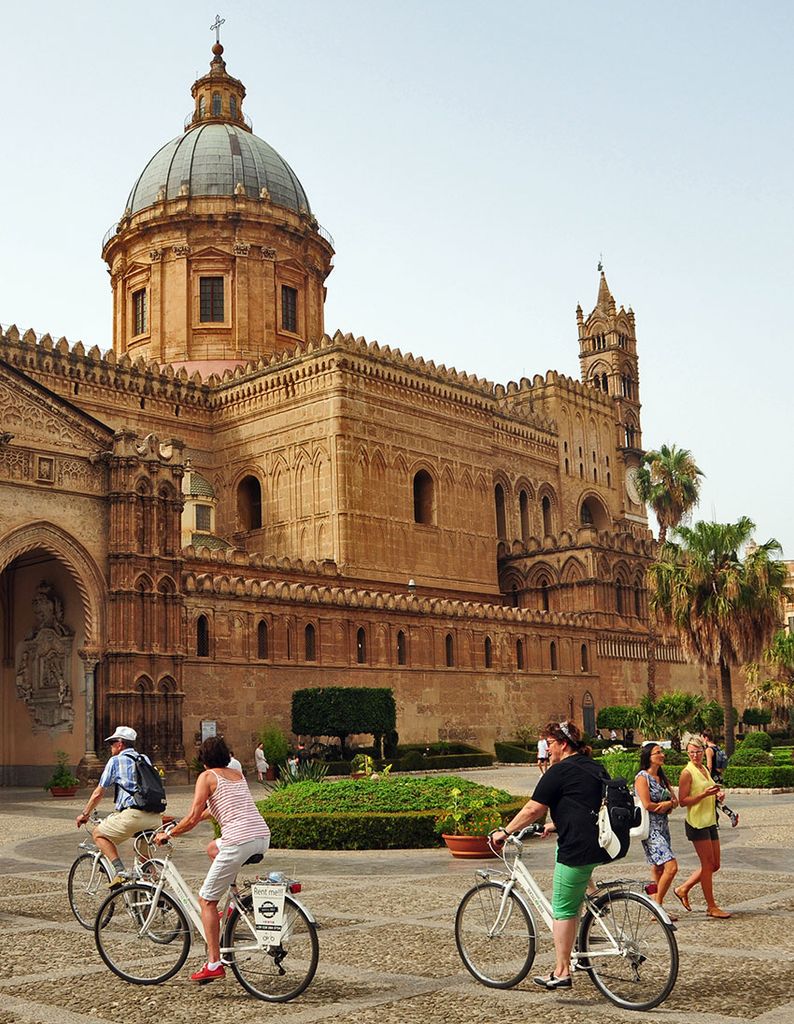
{"points": [[44, 663]]}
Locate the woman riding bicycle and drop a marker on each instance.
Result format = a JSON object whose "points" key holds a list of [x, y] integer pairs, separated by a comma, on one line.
{"points": [[221, 793], [571, 790]]}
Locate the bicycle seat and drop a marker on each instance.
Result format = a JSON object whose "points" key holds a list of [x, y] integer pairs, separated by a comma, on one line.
{"points": [[254, 859]]}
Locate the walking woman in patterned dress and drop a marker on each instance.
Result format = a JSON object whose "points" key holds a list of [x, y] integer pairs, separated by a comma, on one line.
{"points": [[656, 795]]}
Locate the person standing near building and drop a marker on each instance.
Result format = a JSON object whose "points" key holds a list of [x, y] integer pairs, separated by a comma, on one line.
{"points": [[261, 762], [128, 818], [234, 763], [543, 754]]}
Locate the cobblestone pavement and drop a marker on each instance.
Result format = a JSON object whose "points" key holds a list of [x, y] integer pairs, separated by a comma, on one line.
{"points": [[387, 951]]}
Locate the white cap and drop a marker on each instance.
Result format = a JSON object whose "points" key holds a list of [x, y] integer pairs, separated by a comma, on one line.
{"points": [[607, 839], [123, 732]]}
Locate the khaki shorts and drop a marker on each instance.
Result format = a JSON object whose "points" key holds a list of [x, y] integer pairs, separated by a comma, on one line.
{"points": [[121, 825], [230, 858]]}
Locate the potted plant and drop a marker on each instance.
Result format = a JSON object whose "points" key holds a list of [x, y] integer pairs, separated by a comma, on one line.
{"points": [[465, 823], [62, 783], [275, 747]]}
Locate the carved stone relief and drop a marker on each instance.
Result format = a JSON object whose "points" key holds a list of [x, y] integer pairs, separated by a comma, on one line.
{"points": [[44, 663]]}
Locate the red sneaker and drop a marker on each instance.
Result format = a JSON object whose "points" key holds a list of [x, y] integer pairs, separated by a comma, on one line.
{"points": [[205, 974]]}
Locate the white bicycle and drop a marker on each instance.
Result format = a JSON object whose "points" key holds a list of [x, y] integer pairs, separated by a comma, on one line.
{"points": [[626, 942], [91, 872], [269, 940]]}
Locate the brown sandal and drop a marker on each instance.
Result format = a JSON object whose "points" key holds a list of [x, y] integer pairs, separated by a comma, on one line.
{"points": [[716, 912], [683, 899]]}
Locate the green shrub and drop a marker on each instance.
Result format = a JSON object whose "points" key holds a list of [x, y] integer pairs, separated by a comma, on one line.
{"points": [[625, 763], [750, 757], [757, 739], [678, 757], [439, 748], [617, 716], [513, 755], [411, 762], [342, 710], [756, 716], [388, 795], [783, 755], [275, 744], [451, 761], [358, 814], [759, 778]]}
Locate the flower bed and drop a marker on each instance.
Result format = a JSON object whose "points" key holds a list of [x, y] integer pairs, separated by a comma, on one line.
{"points": [[359, 814]]}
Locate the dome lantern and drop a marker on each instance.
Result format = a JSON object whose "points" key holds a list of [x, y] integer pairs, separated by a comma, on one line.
{"points": [[217, 97]]}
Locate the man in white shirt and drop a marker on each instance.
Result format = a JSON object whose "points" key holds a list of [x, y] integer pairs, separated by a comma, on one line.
{"points": [[234, 763], [543, 754]]}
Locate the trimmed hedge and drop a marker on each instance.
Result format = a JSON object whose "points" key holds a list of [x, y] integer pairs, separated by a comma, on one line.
{"points": [[750, 757], [409, 830], [757, 739], [515, 755], [449, 761], [358, 814], [758, 778]]}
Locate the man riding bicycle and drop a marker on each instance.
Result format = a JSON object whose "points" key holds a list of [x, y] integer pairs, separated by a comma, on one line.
{"points": [[127, 819]]}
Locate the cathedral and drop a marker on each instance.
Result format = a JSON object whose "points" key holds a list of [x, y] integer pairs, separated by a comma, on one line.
{"points": [[232, 503]]}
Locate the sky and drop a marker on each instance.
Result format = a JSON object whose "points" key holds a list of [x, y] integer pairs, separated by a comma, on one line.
{"points": [[473, 161]]}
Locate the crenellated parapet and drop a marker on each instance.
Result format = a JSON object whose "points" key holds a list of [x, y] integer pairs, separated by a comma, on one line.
{"points": [[318, 595]]}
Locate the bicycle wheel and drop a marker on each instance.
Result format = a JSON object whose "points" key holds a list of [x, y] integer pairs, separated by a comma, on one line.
{"points": [[642, 972], [139, 946], [87, 887], [273, 973], [498, 949]]}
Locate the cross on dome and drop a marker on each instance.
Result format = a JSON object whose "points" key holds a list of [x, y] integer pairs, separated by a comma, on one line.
{"points": [[216, 27]]}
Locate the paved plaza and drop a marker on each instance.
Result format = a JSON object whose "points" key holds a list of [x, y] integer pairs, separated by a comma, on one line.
{"points": [[387, 951]]}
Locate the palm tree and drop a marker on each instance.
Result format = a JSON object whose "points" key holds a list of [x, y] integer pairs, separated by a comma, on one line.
{"points": [[725, 609], [668, 481], [775, 692]]}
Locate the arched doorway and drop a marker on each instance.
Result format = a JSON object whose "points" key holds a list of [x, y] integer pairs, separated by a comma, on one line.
{"points": [[588, 714], [51, 614]]}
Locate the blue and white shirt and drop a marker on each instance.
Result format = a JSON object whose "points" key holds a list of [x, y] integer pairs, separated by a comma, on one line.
{"points": [[121, 771]]}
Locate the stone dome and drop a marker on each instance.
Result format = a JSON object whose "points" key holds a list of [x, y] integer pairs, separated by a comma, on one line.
{"points": [[215, 159]]}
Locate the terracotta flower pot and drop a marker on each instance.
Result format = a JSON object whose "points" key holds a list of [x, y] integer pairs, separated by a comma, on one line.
{"points": [[468, 846], [270, 774], [62, 791]]}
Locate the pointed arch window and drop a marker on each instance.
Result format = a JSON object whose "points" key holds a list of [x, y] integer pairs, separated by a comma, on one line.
{"points": [[261, 641], [523, 511], [249, 503], [309, 634], [401, 649], [424, 498], [519, 654], [501, 525], [545, 508], [514, 596], [553, 656], [638, 601], [545, 604], [584, 662], [449, 650], [488, 652], [619, 602], [361, 646], [202, 637]]}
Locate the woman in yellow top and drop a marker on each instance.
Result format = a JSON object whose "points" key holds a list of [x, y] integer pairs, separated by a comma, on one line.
{"points": [[699, 793]]}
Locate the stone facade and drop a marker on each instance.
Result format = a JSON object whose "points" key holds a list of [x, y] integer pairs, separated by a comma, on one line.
{"points": [[231, 504]]}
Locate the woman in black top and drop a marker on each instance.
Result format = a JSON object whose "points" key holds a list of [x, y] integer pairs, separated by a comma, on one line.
{"points": [[571, 790]]}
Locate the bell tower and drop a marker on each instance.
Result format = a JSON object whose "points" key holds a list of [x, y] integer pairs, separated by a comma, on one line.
{"points": [[608, 359]]}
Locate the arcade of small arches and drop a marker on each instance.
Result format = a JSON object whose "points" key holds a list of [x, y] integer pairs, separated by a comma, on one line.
{"points": [[461, 649], [542, 588]]}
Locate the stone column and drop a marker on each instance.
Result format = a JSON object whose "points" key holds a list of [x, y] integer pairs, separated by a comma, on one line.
{"points": [[90, 767]]}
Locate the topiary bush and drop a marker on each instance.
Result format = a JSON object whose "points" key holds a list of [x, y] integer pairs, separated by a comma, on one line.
{"points": [[514, 755], [750, 756], [757, 739], [411, 762]]}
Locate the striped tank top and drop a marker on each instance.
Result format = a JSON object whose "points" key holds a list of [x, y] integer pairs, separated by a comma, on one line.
{"points": [[232, 806]]}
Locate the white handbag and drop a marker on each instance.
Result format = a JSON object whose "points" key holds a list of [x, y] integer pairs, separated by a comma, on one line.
{"points": [[642, 829]]}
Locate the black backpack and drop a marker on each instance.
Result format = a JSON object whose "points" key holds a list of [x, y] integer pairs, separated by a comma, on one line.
{"points": [[149, 794], [621, 809]]}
